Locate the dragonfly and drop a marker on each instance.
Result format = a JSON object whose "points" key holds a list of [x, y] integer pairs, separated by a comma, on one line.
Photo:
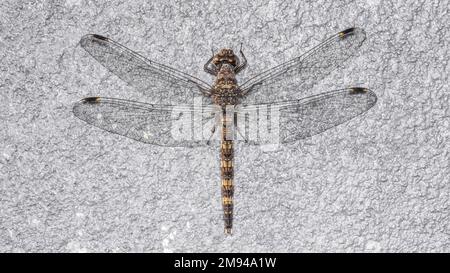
{"points": [[229, 112]]}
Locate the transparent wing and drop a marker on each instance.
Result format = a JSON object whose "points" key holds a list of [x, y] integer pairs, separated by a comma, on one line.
{"points": [[163, 125], [287, 79], [298, 119], [143, 74]]}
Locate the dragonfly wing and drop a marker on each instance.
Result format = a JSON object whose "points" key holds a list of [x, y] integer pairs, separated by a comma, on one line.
{"points": [[163, 125], [288, 121], [145, 75], [303, 72]]}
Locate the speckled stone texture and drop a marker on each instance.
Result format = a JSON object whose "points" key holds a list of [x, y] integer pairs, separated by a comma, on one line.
{"points": [[377, 183]]}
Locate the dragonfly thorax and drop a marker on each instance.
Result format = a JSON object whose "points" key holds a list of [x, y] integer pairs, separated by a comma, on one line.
{"points": [[225, 90]]}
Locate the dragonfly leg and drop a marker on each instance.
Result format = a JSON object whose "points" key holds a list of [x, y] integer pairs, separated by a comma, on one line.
{"points": [[210, 67], [244, 62]]}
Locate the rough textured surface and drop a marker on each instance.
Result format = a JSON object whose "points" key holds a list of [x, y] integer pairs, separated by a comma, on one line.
{"points": [[377, 183]]}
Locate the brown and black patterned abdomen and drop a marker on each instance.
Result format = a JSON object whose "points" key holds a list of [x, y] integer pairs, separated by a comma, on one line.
{"points": [[226, 167]]}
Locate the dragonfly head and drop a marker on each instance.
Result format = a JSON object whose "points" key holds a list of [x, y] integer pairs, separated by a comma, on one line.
{"points": [[225, 55]]}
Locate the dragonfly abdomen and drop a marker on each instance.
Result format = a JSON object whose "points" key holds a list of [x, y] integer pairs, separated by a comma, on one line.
{"points": [[227, 171]]}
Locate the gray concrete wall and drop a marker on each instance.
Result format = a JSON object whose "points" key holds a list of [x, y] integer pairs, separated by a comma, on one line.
{"points": [[377, 183]]}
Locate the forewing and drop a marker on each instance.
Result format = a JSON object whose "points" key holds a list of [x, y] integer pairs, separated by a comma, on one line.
{"points": [[288, 121], [164, 125], [287, 80], [145, 75]]}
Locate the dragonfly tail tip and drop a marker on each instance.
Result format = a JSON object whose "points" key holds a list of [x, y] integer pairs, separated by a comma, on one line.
{"points": [[228, 231]]}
